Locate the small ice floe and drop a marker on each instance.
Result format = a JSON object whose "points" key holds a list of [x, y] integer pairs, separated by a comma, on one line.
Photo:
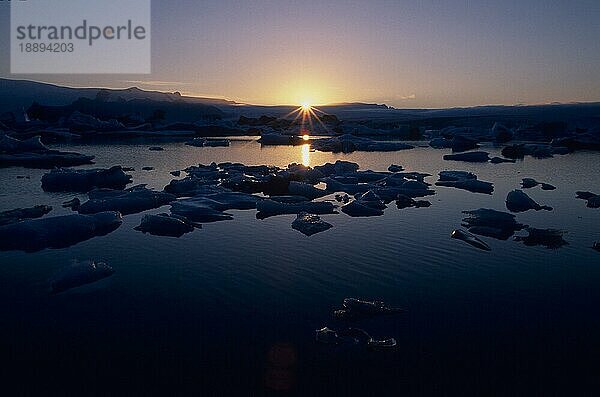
{"points": [[491, 223], [593, 200], [528, 183], [73, 204], [310, 224], [500, 160], [549, 238], [464, 180], [519, 201], [470, 239], [356, 309], [596, 246], [130, 201], [352, 336], [403, 201], [70, 180], [56, 232], [166, 225], [471, 157], [80, 274], [19, 214]]}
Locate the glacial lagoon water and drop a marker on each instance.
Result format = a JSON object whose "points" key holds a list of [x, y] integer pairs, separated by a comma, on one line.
{"points": [[233, 308]]}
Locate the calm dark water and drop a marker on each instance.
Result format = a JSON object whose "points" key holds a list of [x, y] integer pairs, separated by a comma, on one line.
{"points": [[231, 309]]}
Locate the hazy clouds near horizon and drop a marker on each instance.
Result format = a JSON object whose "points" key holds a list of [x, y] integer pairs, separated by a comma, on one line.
{"points": [[404, 53]]}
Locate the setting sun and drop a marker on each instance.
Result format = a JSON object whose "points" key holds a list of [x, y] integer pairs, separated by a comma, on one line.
{"points": [[306, 106]]}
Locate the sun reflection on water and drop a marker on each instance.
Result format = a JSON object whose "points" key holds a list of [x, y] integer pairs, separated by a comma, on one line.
{"points": [[306, 155]]}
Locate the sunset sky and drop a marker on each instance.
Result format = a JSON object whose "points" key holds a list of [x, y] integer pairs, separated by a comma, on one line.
{"points": [[402, 53]]}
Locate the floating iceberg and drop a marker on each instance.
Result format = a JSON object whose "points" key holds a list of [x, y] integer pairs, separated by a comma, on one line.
{"points": [[279, 139], [130, 201], [340, 167], [80, 274], [198, 210], [471, 157], [19, 214], [74, 204], [70, 180], [217, 143], [549, 238], [166, 225], [306, 190], [470, 239], [500, 160], [360, 209], [528, 183], [371, 199], [593, 200], [352, 336], [32, 153], [211, 207], [491, 223], [403, 201], [269, 207], [465, 181], [519, 201], [196, 142], [350, 143], [56, 232], [310, 224], [355, 309], [540, 151]]}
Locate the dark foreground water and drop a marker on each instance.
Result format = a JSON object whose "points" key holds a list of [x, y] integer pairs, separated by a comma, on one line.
{"points": [[231, 309]]}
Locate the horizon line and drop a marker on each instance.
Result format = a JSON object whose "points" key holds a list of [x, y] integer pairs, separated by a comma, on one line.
{"points": [[243, 103]]}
